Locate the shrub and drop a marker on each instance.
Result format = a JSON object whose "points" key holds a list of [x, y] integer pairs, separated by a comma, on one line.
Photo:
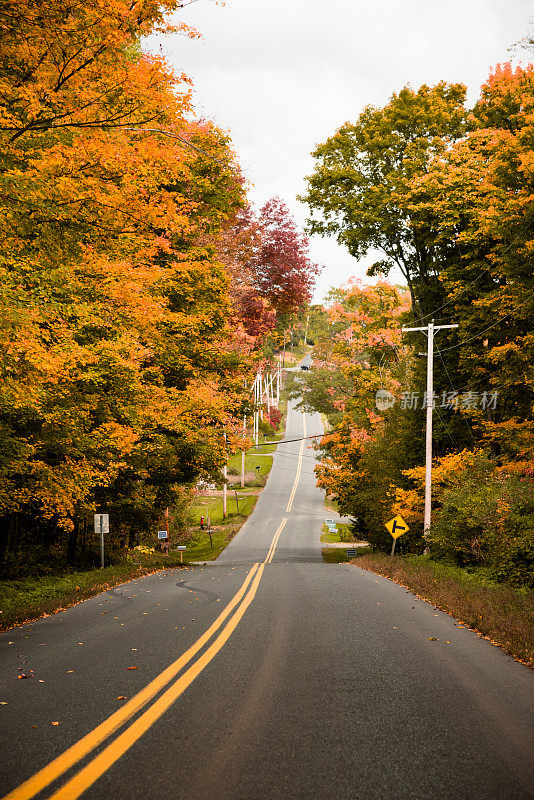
{"points": [[486, 518]]}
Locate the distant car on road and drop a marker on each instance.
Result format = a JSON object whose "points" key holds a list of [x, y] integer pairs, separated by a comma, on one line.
{"points": [[304, 366]]}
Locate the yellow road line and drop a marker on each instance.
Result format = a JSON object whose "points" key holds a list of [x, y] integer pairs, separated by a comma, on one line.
{"points": [[84, 746], [90, 773], [299, 469], [272, 548]]}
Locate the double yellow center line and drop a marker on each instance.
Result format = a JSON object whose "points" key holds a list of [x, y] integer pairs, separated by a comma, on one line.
{"points": [[299, 468], [90, 773]]}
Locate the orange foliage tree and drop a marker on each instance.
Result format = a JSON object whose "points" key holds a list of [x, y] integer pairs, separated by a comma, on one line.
{"points": [[120, 368]]}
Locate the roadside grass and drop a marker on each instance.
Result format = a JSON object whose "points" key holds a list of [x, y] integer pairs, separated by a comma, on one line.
{"points": [[214, 506], [331, 505], [338, 555], [252, 460], [343, 534], [296, 355], [500, 613], [30, 598], [199, 547]]}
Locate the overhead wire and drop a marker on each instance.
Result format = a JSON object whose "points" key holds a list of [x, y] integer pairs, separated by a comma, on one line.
{"points": [[516, 238], [454, 390]]}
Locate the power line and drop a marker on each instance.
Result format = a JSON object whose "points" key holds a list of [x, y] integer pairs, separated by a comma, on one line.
{"points": [[480, 333], [454, 390], [484, 271]]}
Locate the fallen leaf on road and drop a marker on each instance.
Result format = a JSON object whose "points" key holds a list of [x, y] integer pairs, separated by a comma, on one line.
{"points": [[70, 670], [132, 667], [3, 703], [23, 675], [55, 723], [80, 642], [121, 697], [432, 639], [40, 680], [134, 649]]}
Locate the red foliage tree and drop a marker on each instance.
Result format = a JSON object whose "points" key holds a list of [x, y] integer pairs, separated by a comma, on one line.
{"points": [[284, 274], [257, 317]]}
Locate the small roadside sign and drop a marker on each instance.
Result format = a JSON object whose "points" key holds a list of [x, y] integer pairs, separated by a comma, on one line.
{"points": [[162, 534], [396, 527], [351, 552], [101, 527], [101, 523], [181, 548]]}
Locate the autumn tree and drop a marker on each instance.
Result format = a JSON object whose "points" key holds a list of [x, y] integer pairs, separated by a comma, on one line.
{"points": [[361, 353], [120, 367], [76, 65], [358, 190], [283, 272], [480, 193]]}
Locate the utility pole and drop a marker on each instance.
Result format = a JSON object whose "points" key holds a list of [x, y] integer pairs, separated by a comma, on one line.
{"points": [[430, 330], [243, 451], [306, 331], [167, 545], [225, 477]]}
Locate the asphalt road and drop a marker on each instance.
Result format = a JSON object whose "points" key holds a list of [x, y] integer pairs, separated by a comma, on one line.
{"points": [[319, 681]]}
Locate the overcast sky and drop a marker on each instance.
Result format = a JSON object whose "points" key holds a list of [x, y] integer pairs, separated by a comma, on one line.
{"points": [[282, 75]]}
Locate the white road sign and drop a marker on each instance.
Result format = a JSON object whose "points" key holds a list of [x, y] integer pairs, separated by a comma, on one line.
{"points": [[104, 519]]}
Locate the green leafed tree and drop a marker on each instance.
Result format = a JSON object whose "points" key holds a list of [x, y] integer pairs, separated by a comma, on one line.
{"points": [[358, 191]]}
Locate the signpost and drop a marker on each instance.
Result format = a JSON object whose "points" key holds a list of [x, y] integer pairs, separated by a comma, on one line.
{"points": [[102, 527], [163, 535], [181, 548], [397, 527]]}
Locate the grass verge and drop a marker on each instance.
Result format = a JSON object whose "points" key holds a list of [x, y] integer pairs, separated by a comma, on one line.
{"points": [[343, 534], [331, 505], [199, 547], [338, 555], [500, 613], [213, 506], [31, 598]]}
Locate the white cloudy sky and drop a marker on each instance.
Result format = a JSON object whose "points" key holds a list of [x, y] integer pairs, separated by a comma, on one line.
{"points": [[282, 75]]}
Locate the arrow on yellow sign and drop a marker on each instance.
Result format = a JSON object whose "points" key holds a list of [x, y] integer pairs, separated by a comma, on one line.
{"points": [[396, 527]]}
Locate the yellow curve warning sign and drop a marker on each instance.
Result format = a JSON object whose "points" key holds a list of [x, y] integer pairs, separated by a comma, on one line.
{"points": [[397, 526]]}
